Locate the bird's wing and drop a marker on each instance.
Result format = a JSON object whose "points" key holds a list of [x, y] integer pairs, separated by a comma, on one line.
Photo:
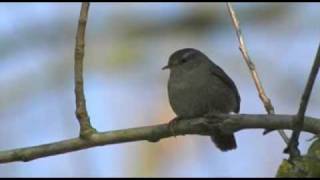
{"points": [[217, 71]]}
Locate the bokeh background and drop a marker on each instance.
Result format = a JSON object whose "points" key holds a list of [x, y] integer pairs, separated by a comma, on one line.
{"points": [[126, 46]]}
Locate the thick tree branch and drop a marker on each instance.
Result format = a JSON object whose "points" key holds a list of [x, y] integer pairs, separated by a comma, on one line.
{"points": [[264, 98], [298, 121], [81, 110], [200, 126]]}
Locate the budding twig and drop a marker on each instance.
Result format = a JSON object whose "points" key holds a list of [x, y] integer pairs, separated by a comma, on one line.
{"points": [[81, 110], [262, 95]]}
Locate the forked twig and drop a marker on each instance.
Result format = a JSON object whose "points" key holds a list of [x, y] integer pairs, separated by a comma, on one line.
{"points": [[154, 133], [262, 95], [292, 148], [81, 110]]}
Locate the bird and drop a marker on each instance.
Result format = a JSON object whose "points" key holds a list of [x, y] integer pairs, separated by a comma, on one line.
{"points": [[198, 87]]}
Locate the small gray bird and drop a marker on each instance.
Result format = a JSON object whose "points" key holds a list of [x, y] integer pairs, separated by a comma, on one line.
{"points": [[198, 87]]}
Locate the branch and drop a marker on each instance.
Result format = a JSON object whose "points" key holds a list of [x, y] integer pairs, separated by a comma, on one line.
{"points": [[298, 121], [81, 111], [200, 126], [262, 95]]}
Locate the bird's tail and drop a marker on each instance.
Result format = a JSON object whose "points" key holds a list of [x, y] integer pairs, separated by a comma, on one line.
{"points": [[224, 141]]}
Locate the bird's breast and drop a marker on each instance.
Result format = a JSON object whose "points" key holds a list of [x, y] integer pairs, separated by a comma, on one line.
{"points": [[186, 96], [197, 93]]}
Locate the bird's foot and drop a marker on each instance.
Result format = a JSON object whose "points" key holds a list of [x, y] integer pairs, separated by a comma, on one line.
{"points": [[172, 124], [211, 115]]}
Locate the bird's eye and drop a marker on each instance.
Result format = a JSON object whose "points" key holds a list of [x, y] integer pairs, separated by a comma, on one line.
{"points": [[184, 60]]}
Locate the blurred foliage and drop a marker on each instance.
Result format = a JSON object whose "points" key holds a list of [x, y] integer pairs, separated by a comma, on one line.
{"points": [[264, 12], [306, 166], [123, 54], [196, 18]]}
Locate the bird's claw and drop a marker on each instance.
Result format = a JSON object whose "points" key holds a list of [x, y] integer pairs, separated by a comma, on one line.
{"points": [[171, 125]]}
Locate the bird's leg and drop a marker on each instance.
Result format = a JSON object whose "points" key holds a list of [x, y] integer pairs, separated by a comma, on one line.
{"points": [[216, 116], [212, 114], [172, 123]]}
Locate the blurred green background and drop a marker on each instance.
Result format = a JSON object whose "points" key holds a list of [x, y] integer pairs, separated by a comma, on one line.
{"points": [[126, 46]]}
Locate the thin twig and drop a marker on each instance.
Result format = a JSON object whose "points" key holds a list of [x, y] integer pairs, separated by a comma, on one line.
{"points": [[197, 126], [298, 121], [81, 110], [262, 95]]}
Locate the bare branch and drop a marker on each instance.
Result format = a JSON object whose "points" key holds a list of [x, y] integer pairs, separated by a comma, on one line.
{"points": [[200, 126], [264, 98], [298, 121], [81, 110]]}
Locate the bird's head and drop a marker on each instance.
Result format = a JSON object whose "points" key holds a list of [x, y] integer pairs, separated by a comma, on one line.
{"points": [[187, 58]]}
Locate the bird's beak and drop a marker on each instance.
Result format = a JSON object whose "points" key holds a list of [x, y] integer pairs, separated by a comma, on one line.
{"points": [[165, 67]]}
